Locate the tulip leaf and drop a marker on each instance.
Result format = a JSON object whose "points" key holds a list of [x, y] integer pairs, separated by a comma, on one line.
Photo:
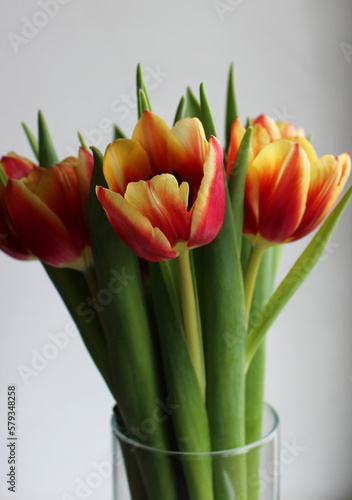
{"points": [[189, 415], [179, 111], [31, 139], [231, 105], [192, 106], [118, 134], [123, 312], [3, 177], [142, 97], [237, 179], [207, 118], [218, 269], [46, 152], [142, 103], [82, 141], [74, 292], [294, 278]]}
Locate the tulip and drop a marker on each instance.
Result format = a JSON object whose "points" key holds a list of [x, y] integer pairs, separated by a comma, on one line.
{"points": [[289, 191], [166, 188], [265, 131], [44, 211]]}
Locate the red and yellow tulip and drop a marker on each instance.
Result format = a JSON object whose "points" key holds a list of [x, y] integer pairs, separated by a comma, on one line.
{"points": [[43, 212], [289, 190], [166, 189]]}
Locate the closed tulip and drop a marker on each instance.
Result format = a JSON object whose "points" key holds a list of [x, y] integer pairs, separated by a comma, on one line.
{"points": [[44, 211], [166, 188]]}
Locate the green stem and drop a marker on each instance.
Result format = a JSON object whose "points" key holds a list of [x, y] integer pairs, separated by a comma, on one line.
{"points": [[251, 276], [190, 317]]}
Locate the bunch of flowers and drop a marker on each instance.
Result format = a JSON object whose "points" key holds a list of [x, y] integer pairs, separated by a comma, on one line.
{"points": [[197, 230]]}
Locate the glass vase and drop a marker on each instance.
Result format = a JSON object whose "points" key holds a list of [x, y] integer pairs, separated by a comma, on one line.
{"points": [[251, 472]]}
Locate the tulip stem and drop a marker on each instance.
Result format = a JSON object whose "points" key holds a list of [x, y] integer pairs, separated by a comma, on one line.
{"points": [[250, 277], [191, 321]]}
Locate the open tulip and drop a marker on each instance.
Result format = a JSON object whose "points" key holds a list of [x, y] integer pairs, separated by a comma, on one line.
{"points": [[44, 211], [289, 191], [166, 188]]}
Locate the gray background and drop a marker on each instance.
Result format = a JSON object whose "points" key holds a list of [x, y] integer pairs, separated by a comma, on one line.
{"points": [[293, 60]]}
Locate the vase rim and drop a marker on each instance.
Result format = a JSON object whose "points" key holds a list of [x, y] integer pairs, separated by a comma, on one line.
{"points": [[274, 429]]}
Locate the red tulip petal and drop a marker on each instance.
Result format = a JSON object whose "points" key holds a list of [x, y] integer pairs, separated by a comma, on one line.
{"points": [[324, 177], [187, 150], [152, 133], [236, 136], [84, 172], [133, 228], [340, 171], [164, 203], [209, 208], [125, 161], [38, 228], [284, 172], [9, 243], [16, 167], [58, 188], [251, 201]]}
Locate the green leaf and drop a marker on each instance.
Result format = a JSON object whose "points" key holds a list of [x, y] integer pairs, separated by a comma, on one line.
{"points": [[82, 141], [46, 151], [221, 300], [142, 103], [207, 118], [192, 106], [118, 134], [189, 415], [237, 179], [295, 277], [231, 106], [3, 177], [135, 369], [142, 94], [179, 111], [31, 139]]}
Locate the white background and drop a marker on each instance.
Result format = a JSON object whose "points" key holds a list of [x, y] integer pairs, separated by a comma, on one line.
{"points": [[293, 60]]}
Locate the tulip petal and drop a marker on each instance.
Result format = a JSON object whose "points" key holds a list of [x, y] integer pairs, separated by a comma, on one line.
{"points": [[152, 133], [286, 129], [209, 208], [15, 166], [8, 241], [164, 203], [38, 228], [236, 136], [134, 228], [84, 172], [324, 177], [284, 172], [125, 161], [260, 139], [270, 126], [308, 148], [187, 150]]}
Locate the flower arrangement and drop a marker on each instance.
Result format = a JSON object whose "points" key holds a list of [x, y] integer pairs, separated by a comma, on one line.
{"points": [[176, 242]]}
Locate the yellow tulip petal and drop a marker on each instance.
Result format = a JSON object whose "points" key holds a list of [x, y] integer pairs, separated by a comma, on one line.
{"points": [[165, 204], [125, 161]]}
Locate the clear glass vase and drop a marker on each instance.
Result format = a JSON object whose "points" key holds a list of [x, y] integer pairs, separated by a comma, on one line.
{"points": [[251, 472]]}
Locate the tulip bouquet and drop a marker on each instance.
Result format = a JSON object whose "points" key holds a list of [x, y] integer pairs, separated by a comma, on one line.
{"points": [[164, 251]]}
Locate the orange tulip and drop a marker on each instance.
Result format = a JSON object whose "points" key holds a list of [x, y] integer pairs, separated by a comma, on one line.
{"points": [[43, 212], [166, 189]]}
